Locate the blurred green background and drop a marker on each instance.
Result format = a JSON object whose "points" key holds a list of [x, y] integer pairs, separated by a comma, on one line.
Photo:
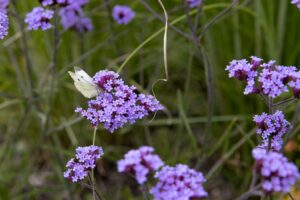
{"points": [[39, 130]]}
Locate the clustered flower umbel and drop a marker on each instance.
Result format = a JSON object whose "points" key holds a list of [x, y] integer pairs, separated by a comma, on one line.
{"points": [[84, 161], [297, 3], [71, 13], [3, 18], [118, 103], [271, 127], [194, 3], [139, 163], [265, 78], [122, 14], [178, 183], [277, 173]]}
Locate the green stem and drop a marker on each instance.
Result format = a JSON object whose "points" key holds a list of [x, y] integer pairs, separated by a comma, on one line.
{"points": [[93, 176]]}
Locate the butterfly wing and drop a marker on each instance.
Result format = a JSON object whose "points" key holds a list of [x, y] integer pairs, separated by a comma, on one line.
{"points": [[84, 83]]}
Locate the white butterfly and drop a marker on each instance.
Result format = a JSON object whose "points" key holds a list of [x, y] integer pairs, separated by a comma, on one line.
{"points": [[84, 83]]}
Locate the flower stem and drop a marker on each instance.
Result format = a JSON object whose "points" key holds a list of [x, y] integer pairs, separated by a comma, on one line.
{"points": [[93, 176], [144, 190]]}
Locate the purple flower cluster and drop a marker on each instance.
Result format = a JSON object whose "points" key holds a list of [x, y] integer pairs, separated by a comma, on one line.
{"points": [[71, 13], [265, 78], [178, 183], [84, 161], [278, 174], [123, 14], [39, 18], [3, 24], [139, 163], [72, 17], [297, 3], [194, 3], [271, 127], [118, 104]]}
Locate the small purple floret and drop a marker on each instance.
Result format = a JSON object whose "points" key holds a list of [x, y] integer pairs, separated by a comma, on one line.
{"points": [[123, 14], [194, 3], [139, 163], [178, 183]]}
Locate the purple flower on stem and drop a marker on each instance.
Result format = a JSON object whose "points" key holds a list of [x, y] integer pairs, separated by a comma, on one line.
{"points": [[178, 183], [139, 163], [271, 127], [278, 175], [3, 24], [297, 3], [194, 3], [123, 14], [39, 18], [84, 161], [72, 17], [118, 104]]}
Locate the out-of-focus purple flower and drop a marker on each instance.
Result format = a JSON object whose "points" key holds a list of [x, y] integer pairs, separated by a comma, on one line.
{"points": [[63, 2], [297, 3], [84, 24], [272, 127], [178, 183], [118, 104], [3, 24], [194, 3], [278, 175], [72, 17], [85, 160], [39, 18], [139, 163], [123, 14], [4, 5]]}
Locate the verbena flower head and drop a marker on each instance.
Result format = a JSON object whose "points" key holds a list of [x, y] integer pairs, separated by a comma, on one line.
{"points": [[4, 5], [39, 18], [178, 183], [278, 175], [194, 3], [84, 161], [123, 14], [72, 17], [118, 104], [297, 3], [265, 78], [272, 127], [3, 24], [139, 163]]}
